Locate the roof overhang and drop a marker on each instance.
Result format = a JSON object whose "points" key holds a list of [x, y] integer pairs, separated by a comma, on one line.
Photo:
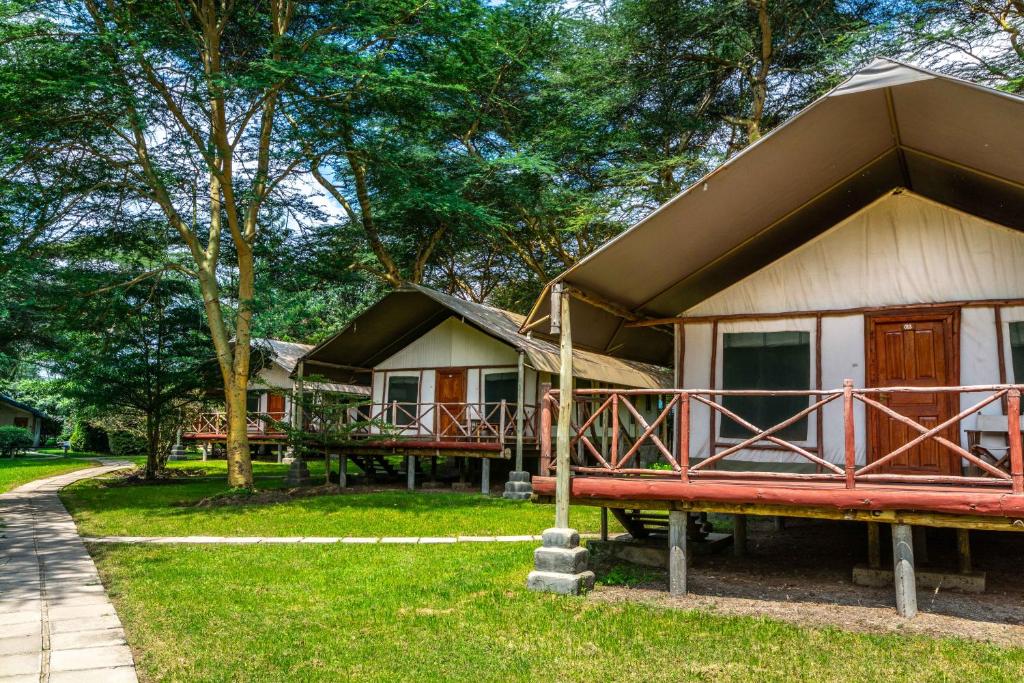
{"points": [[888, 126]]}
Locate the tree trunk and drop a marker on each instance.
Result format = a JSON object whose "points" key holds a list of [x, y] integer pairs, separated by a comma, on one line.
{"points": [[152, 447], [239, 464]]}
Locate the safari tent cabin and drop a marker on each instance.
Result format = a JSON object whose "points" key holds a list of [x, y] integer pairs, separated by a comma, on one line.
{"points": [[847, 303], [453, 377], [270, 398], [17, 414]]}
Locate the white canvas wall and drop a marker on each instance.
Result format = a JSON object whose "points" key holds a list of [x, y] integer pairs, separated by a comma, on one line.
{"points": [[901, 250], [451, 344]]}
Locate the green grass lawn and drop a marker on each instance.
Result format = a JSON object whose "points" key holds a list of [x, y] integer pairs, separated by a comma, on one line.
{"points": [[461, 613], [14, 473], [162, 510]]}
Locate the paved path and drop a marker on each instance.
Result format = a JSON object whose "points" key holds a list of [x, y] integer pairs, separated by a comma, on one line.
{"points": [[56, 621], [251, 540]]}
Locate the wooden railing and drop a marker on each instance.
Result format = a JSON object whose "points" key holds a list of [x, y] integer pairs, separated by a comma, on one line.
{"points": [[216, 423], [461, 422], [608, 431]]}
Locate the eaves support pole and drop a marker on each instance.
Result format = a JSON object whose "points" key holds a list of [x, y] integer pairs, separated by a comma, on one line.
{"points": [[560, 565], [518, 486]]}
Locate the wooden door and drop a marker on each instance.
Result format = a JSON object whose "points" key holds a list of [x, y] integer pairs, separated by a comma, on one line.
{"points": [[450, 402], [913, 350], [275, 408]]}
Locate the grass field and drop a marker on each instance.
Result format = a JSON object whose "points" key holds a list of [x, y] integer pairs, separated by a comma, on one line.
{"points": [[14, 473], [461, 613], [167, 509]]}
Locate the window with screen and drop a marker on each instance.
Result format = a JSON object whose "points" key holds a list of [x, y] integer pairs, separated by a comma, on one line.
{"points": [[405, 392], [1017, 350], [765, 360], [500, 386], [252, 401]]}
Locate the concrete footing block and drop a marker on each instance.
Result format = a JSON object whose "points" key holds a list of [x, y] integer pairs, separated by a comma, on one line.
{"points": [[972, 582], [298, 474], [563, 584], [177, 453], [562, 560], [518, 486], [560, 565]]}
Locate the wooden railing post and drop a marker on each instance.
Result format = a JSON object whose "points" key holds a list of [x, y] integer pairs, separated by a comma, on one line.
{"points": [[684, 437], [545, 430], [849, 436], [1013, 425], [614, 459], [501, 426]]}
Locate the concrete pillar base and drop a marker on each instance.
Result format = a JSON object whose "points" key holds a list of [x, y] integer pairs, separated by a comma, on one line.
{"points": [[561, 564], [518, 486], [177, 453], [298, 474]]}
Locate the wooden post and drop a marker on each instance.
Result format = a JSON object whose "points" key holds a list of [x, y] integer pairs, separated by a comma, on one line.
{"points": [[545, 431], [342, 470], [485, 476], [279, 453], [903, 570], [297, 391], [410, 472], [739, 535], [684, 437], [963, 547], [520, 408], [1013, 425], [874, 545], [565, 400], [848, 433], [502, 407], [677, 552], [604, 524]]}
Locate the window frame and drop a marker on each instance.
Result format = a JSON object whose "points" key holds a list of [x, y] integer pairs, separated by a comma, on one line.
{"points": [[414, 415], [804, 324]]}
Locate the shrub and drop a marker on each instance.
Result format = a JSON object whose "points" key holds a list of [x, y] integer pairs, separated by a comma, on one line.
{"points": [[126, 443], [14, 439], [85, 437]]}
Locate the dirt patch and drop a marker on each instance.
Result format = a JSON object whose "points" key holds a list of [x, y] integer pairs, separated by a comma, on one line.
{"points": [[802, 575], [137, 476]]}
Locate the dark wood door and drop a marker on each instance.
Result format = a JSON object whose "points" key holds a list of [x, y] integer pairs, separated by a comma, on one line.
{"points": [[275, 408], [450, 400], [913, 350]]}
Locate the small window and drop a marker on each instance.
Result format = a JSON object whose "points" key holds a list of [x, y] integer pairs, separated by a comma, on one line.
{"points": [[766, 360], [405, 392], [500, 386], [252, 401], [1017, 350]]}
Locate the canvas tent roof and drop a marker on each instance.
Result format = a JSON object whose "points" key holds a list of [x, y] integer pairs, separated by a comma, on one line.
{"points": [[406, 314], [890, 125], [287, 354]]}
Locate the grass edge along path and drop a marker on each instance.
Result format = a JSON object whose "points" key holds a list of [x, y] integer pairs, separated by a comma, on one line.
{"points": [[22, 470], [462, 613]]}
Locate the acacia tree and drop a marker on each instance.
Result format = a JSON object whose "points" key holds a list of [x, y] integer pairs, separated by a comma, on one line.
{"points": [[184, 101]]}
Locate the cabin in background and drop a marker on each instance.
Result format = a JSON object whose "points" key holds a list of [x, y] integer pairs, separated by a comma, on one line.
{"points": [[270, 400], [18, 414], [456, 378]]}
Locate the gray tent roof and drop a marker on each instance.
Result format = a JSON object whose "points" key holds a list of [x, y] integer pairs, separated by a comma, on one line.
{"points": [[286, 355], [888, 126], [405, 315]]}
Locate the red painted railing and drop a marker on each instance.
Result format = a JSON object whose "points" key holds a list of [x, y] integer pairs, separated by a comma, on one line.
{"points": [[256, 424], [608, 432]]}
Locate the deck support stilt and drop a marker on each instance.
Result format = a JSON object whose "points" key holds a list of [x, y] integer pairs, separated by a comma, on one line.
{"points": [[280, 453], [903, 570], [779, 523], [963, 548], [739, 535], [342, 470], [677, 552], [206, 452], [604, 524], [485, 476], [874, 545], [410, 474]]}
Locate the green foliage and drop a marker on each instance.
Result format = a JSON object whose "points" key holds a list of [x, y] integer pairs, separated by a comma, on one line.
{"points": [[86, 437], [628, 575], [14, 439], [124, 442]]}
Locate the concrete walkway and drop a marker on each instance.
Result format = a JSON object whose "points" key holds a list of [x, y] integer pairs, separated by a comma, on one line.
{"points": [[56, 621], [251, 540]]}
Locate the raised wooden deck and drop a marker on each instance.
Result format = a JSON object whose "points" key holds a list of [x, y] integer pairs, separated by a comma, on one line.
{"points": [[608, 433]]}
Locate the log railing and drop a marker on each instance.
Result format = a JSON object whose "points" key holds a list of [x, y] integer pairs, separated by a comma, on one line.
{"points": [[609, 429]]}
